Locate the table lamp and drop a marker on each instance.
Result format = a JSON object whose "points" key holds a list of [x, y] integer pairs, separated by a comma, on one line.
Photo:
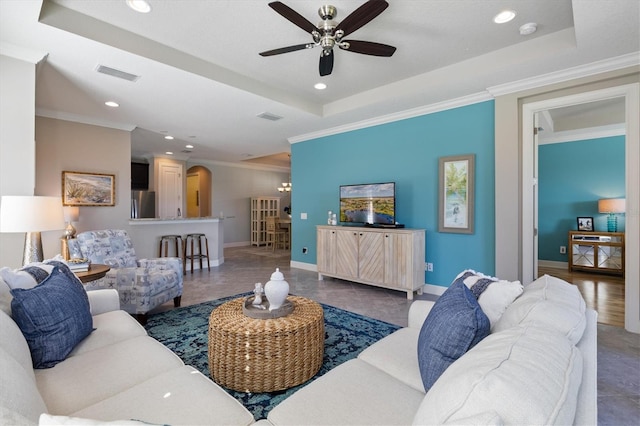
{"points": [[612, 206], [71, 214], [31, 214]]}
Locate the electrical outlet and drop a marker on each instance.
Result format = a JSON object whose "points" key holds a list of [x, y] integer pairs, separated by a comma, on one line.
{"points": [[429, 266], [563, 250], [304, 250]]}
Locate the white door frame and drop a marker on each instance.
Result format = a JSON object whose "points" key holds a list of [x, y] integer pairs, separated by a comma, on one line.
{"points": [[631, 93]]}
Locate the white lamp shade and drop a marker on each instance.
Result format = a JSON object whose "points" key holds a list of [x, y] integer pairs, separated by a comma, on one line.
{"points": [[71, 213], [611, 205], [30, 213]]}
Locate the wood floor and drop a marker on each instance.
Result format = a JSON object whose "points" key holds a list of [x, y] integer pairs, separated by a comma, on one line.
{"points": [[603, 293]]}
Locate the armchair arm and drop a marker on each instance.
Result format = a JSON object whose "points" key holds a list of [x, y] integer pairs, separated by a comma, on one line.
{"points": [[102, 301], [162, 264], [418, 312]]}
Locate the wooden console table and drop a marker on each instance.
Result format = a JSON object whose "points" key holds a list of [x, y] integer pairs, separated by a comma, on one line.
{"points": [[601, 252]]}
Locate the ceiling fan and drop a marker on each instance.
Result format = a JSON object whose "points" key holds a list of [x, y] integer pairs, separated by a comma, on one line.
{"points": [[329, 33]]}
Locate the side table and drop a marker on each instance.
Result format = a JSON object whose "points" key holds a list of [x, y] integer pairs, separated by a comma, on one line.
{"points": [[265, 355], [95, 272]]}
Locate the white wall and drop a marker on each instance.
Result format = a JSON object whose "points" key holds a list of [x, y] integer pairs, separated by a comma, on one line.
{"points": [[17, 143], [64, 145], [232, 187]]}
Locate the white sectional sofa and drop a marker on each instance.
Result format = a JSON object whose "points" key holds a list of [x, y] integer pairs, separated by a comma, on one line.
{"points": [[538, 366], [527, 371], [116, 373]]}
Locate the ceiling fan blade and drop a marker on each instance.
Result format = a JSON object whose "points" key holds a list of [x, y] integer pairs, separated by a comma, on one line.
{"points": [[287, 49], [362, 16], [369, 48], [326, 63], [293, 16]]}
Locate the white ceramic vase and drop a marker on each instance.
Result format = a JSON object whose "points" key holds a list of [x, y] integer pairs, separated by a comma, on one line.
{"points": [[276, 290]]}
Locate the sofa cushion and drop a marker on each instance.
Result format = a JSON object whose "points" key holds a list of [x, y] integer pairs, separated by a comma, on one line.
{"points": [[454, 325], [112, 370], [494, 295], [353, 393], [397, 355], [49, 420], [508, 373], [549, 301], [18, 390], [54, 316], [178, 396]]}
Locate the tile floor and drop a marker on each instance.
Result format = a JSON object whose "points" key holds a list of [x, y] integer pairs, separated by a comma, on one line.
{"points": [[618, 350]]}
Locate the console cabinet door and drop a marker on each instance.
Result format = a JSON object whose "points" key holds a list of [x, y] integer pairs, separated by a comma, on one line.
{"points": [[398, 252], [347, 253], [371, 256], [326, 251]]}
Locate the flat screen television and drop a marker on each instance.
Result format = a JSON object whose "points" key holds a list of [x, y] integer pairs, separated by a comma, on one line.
{"points": [[371, 203]]}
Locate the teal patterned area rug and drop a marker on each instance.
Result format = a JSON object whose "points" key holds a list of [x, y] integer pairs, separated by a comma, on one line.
{"points": [[185, 331]]}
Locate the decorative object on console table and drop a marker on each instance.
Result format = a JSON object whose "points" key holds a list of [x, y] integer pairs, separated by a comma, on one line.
{"points": [[456, 188], [612, 206], [585, 224], [88, 189], [31, 214]]}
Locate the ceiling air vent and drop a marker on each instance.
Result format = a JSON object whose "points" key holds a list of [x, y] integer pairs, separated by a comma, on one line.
{"points": [[117, 73], [269, 116]]}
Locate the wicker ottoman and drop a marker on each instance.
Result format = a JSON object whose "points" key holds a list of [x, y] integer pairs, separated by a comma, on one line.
{"points": [[265, 355]]}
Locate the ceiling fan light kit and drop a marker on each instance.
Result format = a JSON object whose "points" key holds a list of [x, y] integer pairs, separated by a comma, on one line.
{"points": [[328, 34]]}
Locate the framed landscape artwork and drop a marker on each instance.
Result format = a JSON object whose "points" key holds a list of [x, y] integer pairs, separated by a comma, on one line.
{"points": [[456, 194], [88, 189]]}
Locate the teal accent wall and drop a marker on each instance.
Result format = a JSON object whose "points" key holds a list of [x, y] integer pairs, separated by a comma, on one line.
{"points": [[405, 152], [572, 177]]}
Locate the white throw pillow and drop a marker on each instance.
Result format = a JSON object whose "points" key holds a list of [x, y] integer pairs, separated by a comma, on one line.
{"points": [[528, 374], [26, 277], [549, 301], [495, 296]]}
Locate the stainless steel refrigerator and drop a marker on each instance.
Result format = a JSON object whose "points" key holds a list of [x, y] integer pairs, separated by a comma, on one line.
{"points": [[143, 204]]}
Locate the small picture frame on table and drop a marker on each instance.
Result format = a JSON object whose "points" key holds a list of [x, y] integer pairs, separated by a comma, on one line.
{"points": [[585, 224]]}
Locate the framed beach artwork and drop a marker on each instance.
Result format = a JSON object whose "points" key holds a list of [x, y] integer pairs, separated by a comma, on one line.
{"points": [[456, 194], [585, 224], [88, 189]]}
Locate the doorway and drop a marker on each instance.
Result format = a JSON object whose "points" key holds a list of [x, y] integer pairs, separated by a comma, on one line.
{"points": [[631, 96]]}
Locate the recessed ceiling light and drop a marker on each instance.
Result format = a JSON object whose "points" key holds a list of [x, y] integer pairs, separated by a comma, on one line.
{"points": [[169, 153], [189, 146], [320, 86], [169, 138], [504, 16], [112, 104], [139, 6]]}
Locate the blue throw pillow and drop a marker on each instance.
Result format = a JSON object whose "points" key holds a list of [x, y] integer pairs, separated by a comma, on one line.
{"points": [[54, 316], [454, 325]]}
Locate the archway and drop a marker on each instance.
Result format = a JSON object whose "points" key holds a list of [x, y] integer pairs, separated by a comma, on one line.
{"points": [[199, 192]]}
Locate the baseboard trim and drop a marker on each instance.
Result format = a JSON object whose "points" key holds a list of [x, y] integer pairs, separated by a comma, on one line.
{"points": [[434, 289], [302, 265], [553, 264]]}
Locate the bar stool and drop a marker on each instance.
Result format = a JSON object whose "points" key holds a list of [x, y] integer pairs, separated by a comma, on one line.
{"points": [[191, 255], [164, 245]]}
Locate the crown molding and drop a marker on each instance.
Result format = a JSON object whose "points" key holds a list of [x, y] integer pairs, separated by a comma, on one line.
{"points": [[26, 54], [402, 115], [42, 112], [599, 67], [584, 134]]}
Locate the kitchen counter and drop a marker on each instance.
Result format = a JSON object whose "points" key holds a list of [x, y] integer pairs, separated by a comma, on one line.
{"points": [[146, 239]]}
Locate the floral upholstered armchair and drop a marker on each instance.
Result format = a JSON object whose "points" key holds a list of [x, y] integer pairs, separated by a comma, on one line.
{"points": [[142, 284]]}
